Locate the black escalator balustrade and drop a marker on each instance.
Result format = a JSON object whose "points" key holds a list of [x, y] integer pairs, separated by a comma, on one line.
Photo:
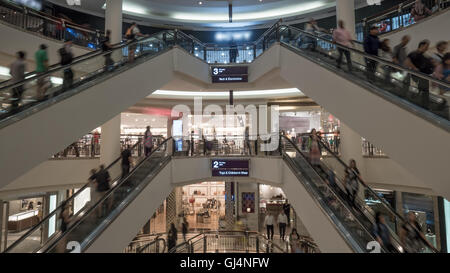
{"points": [[327, 178], [409, 89], [86, 224], [37, 92]]}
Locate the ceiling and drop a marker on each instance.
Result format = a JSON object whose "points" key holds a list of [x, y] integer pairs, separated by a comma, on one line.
{"points": [[212, 13]]}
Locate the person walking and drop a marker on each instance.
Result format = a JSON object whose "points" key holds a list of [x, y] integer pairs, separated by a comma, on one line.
{"points": [[148, 141], [351, 182], [312, 28], [282, 223], [343, 37], [382, 234], [126, 161], [269, 222], [417, 61], [172, 237], [41, 58], [386, 54], [400, 54], [17, 71], [442, 72], [371, 46], [287, 211], [248, 146], [66, 56], [411, 235]]}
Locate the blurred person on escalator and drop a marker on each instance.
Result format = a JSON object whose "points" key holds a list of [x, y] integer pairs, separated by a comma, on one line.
{"points": [[371, 46], [184, 228], [126, 161], [351, 183], [312, 27], [442, 72], [343, 37], [441, 48], [66, 56], [17, 71], [41, 58], [148, 141], [315, 150], [411, 235], [106, 46], [172, 237], [102, 181], [381, 232], [386, 54], [132, 33], [417, 61]]}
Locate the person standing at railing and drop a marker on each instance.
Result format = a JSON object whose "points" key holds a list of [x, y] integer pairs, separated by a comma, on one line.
{"points": [[442, 72], [420, 11], [419, 62], [371, 46], [234, 52], [282, 223], [269, 222], [17, 71], [41, 58], [148, 141], [343, 37], [381, 232], [66, 55]]}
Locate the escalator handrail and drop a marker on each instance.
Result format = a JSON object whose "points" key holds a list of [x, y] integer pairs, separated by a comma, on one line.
{"points": [[106, 195], [376, 58], [94, 54], [157, 239], [335, 194], [365, 185], [46, 218]]}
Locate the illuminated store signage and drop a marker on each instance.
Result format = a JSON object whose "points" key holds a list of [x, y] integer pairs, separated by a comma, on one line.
{"points": [[223, 74], [227, 167]]}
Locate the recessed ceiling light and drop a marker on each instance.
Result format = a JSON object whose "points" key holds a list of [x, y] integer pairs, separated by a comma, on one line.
{"points": [[200, 2]]}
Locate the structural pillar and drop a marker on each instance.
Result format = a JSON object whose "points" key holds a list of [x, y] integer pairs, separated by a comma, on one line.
{"points": [[113, 19], [229, 206], [171, 210], [345, 10], [110, 144]]}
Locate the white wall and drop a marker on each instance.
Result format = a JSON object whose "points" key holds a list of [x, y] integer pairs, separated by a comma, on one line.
{"points": [[16, 39], [434, 28], [380, 121], [52, 129], [51, 175]]}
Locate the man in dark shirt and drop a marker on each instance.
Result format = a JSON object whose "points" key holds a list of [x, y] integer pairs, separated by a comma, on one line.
{"points": [[371, 45], [102, 180], [126, 161], [418, 62]]}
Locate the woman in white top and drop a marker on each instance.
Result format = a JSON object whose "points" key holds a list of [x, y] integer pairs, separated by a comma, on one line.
{"points": [[268, 222], [282, 223]]}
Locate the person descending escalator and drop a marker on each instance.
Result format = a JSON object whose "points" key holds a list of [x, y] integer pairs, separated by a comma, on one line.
{"points": [[148, 141], [343, 37], [411, 234], [17, 71], [41, 58], [381, 233], [172, 237], [66, 56], [106, 46], [126, 161], [386, 54], [314, 148], [351, 182], [102, 180], [371, 46], [184, 228]]}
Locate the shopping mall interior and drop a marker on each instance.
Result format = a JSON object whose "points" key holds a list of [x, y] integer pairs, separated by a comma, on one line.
{"points": [[235, 126]]}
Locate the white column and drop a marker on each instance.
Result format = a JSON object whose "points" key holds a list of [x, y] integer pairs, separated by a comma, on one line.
{"points": [[110, 143], [345, 10], [113, 19]]}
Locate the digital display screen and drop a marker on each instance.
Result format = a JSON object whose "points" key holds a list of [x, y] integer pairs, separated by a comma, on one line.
{"points": [[222, 74], [228, 167]]}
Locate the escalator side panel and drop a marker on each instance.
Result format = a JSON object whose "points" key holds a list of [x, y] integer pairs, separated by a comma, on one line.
{"points": [[316, 221], [372, 115], [53, 128]]}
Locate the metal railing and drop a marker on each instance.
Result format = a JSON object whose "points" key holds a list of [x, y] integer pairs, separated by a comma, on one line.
{"points": [[400, 16], [49, 26]]}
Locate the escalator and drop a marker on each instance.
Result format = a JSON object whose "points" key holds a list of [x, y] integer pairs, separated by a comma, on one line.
{"points": [[104, 215], [68, 109], [354, 221], [380, 106]]}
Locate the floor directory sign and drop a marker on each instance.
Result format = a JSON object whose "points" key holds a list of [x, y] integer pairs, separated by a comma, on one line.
{"points": [[222, 74], [230, 167]]}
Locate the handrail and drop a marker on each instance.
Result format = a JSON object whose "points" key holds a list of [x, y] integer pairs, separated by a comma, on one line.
{"points": [[34, 228], [143, 248], [365, 185], [378, 59], [107, 194]]}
